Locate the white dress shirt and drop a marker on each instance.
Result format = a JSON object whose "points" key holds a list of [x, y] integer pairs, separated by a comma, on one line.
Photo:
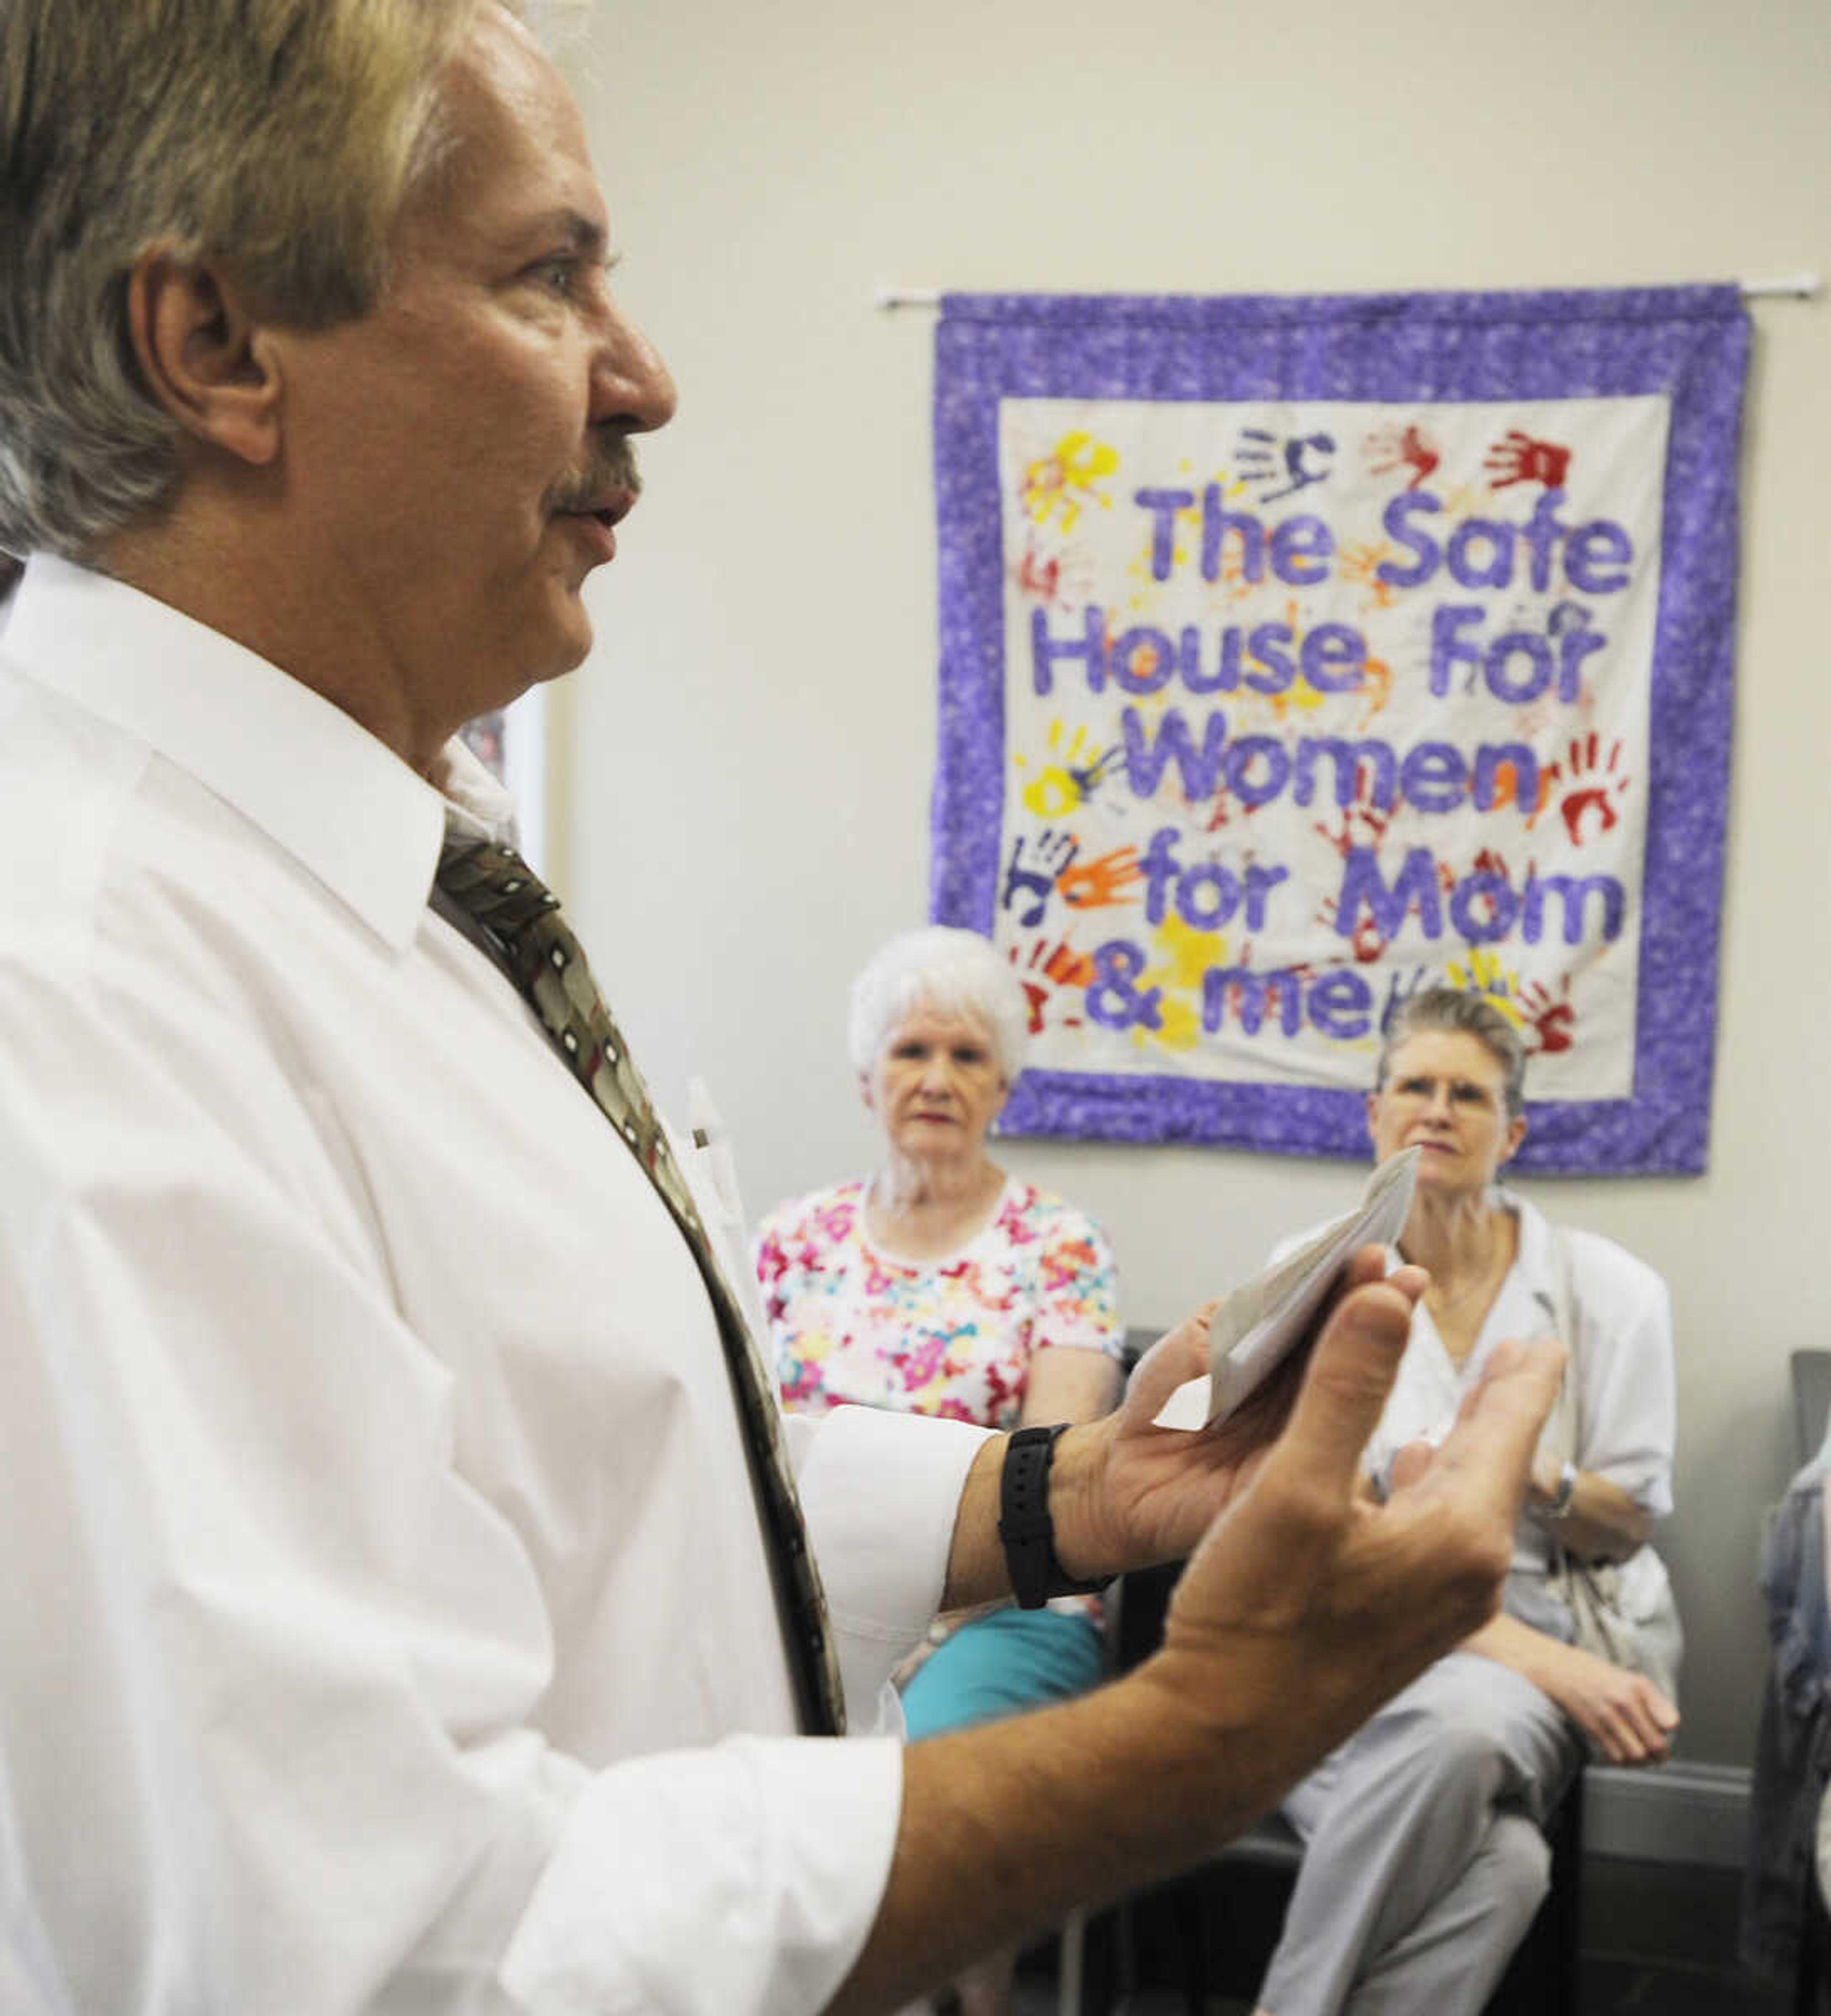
{"points": [[387, 1624]]}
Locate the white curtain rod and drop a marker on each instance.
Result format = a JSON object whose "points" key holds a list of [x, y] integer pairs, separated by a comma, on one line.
{"points": [[1786, 287]]}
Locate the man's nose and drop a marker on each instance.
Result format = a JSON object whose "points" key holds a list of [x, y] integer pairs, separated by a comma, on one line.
{"points": [[632, 388]]}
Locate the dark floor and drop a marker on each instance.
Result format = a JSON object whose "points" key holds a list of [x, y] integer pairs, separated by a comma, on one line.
{"points": [[1659, 1939]]}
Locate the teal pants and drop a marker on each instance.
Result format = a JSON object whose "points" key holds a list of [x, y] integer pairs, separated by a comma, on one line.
{"points": [[999, 1664]]}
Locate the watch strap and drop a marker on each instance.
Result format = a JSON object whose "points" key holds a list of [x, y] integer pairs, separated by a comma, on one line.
{"points": [[1025, 1527]]}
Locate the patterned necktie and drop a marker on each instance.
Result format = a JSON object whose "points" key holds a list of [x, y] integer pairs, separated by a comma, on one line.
{"points": [[519, 918]]}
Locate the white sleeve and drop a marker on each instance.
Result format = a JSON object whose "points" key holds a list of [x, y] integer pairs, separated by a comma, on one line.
{"points": [[737, 1882], [1629, 1406], [880, 1492], [266, 1716], [789, 1842]]}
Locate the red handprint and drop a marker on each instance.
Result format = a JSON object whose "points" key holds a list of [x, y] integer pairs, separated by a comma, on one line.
{"points": [[1551, 1020], [1517, 458], [1095, 884], [1360, 823], [1365, 943], [1039, 577], [1226, 810], [1055, 966], [1588, 785], [1405, 448]]}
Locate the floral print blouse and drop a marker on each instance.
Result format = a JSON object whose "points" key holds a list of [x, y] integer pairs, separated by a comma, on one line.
{"points": [[955, 1337]]}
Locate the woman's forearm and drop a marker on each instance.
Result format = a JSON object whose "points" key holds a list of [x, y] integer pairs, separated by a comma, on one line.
{"points": [[1069, 1383], [1601, 1522]]}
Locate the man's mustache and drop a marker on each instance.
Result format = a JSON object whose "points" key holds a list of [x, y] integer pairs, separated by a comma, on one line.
{"points": [[612, 470]]}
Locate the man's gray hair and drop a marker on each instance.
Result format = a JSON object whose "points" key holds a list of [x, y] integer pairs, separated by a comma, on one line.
{"points": [[1463, 1012], [277, 136], [954, 972]]}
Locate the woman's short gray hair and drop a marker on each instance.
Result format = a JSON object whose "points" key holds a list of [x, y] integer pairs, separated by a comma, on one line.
{"points": [[280, 137], [1462, 1012], [956, 972]]}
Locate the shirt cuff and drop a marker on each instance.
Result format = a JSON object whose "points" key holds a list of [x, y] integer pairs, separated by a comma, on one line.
{"points": [[880, 1492], [741, 1881], [1647, 1481]]}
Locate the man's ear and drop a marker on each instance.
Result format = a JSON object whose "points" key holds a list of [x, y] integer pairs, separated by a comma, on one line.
{"points": [[210, 362]]}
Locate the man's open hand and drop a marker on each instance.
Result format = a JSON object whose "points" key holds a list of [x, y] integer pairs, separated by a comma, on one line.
{"points": [[1306, 1589], [1126, 1494]]}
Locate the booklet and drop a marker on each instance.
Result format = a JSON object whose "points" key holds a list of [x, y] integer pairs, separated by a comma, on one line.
{"points": [[1252, 1332]]}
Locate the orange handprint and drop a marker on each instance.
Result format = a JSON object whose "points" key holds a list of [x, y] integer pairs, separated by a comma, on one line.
{"points": [[1104, 880]]}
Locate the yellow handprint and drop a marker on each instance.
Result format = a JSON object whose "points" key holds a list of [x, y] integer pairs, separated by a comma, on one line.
{"points": [[1485, 974], [1058, 486]]}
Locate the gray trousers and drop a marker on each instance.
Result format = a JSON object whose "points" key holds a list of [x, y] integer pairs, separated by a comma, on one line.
{"points": [[1424, 1861]]}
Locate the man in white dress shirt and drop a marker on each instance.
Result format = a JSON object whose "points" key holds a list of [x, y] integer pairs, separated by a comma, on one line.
{"points": [[389, 1625]]}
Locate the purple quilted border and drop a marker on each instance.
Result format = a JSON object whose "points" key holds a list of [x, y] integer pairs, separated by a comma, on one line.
{"points": [[1689, 343]]}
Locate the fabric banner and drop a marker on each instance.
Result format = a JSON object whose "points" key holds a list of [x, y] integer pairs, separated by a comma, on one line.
{"points": [[1298, 652]]}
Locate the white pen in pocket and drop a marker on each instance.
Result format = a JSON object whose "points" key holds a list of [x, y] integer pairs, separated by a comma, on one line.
{"points": [[712, 1146]]}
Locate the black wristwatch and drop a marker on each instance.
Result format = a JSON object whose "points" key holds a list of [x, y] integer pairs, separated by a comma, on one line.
{"points": [[1024, 1525]]}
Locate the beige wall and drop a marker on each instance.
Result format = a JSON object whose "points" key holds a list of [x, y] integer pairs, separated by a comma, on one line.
{"points": [[767, 658]]}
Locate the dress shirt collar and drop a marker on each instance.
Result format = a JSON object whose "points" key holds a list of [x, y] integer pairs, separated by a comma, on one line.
{"points": [[1532, 1252], [318, 785]]}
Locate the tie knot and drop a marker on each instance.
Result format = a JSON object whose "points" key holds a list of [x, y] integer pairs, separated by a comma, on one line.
{"points": [[494, 885]]}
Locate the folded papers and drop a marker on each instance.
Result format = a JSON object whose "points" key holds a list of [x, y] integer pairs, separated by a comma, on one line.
{"points": [[1251, 1333]]}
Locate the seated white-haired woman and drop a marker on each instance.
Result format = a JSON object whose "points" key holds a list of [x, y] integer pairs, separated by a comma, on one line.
{"points": [[942, 1285]]}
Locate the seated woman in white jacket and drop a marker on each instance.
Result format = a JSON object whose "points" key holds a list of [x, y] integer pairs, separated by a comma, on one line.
{"points": [[1424, 1862]]}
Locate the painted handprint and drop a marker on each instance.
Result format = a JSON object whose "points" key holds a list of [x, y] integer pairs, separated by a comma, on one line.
{"points": [[1586, 783], [1059, 486], [1282, 466], [1039, 577], [1367, 945], [1060, 786], [1361, 822], [1228, 811], [1485, 973], [1104, 880], [1550, 1019], [1517, 458], [1403, 448], [1047, 968], [1049, 853]]}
